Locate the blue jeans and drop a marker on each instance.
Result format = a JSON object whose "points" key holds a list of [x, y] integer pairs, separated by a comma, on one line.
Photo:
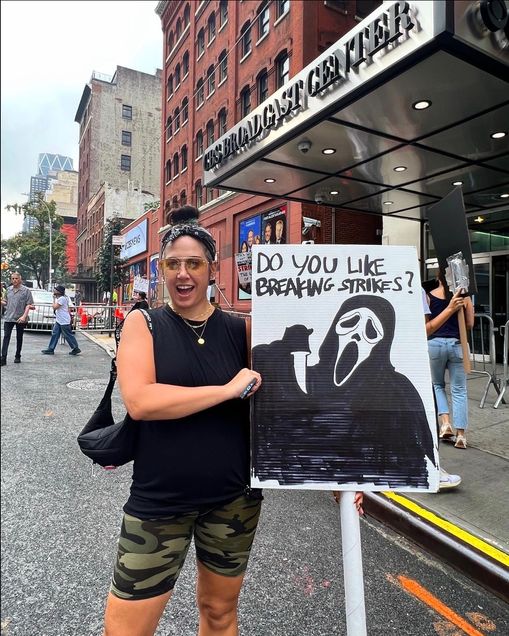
{"points": [[68, 335], [446, 353]]}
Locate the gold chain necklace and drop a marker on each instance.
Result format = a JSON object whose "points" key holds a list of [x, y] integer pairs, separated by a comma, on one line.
{"points": [[201, 340]]}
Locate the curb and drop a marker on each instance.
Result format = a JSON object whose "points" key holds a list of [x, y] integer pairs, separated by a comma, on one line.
{"points": [[482, 569], [109, 350]]}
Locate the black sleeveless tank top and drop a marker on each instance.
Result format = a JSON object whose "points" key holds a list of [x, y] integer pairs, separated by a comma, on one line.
{"points": [[189, 463], [450, 328]]}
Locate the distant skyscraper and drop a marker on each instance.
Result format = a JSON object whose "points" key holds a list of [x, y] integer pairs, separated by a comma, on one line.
{"points": [[47, 167]]}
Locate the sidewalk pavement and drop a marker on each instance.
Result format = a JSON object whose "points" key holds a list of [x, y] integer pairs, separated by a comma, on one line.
{"points": [[467, 526]]}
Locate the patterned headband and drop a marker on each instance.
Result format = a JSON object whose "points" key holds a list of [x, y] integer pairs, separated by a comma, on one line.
{"points": [[193, 230]]}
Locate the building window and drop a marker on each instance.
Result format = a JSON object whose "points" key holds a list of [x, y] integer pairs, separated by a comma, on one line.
{"points": [[185, 111], [282, 69], [125, 162], [223, 66], [175, 165], [183, 197], [245, 40], [177, 76], [167, 171], [210, 133], [200, 93], [222, 121], [185, 64], [211, 28], [187, 15], [178, 29], [337, 5], [211, 81], [169, 87], [198, 193], [201, 43], [176, 119], [199, 144], [262, 84], [175, 202], [127, 111], [183, 158], [263, 20], [171, 41], [245, 102], [126, 138], [169, 127], [364, 7], [223, 13], [282, 7]]}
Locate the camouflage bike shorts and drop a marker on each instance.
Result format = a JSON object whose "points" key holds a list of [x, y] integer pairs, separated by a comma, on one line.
{"points": [[151, 552]]}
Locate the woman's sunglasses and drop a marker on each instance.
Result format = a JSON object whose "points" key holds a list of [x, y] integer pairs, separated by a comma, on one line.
{"points": [[192, 264]]}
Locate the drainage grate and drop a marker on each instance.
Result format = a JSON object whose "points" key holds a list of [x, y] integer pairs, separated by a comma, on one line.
{"points": [[92, 384]]}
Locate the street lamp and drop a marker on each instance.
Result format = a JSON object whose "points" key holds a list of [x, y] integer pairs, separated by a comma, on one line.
{"points": [[40, 200]]}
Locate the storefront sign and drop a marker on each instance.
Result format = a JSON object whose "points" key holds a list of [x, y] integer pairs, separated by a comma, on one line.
{"points": [[135, 241], [330, 72]]}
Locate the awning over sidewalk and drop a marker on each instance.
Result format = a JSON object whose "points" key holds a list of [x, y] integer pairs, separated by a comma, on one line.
{"points": [[410, 103]]}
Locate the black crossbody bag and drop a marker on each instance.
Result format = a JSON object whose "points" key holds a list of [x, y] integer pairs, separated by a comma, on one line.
{"points": [[104, 441]]}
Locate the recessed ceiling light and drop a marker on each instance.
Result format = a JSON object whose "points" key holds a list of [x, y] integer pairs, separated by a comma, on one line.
{"points": [[399, 169], [334, 192], [270, 180], [388, 202], [479, 219], [455, 183], [499, 134], [328, 151], [422, 104], [504, 196]]}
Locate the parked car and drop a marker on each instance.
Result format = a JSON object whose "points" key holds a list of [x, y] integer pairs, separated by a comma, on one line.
{"points": [[42, 317]]}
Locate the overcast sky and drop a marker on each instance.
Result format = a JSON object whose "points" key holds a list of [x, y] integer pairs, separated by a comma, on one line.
{"points": [[49, 51]]}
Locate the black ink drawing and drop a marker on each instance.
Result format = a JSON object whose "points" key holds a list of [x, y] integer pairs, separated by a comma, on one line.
{"points": [[351, 418]]}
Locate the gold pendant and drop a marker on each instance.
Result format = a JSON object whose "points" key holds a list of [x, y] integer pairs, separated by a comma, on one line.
{"points": [[201, 341]]}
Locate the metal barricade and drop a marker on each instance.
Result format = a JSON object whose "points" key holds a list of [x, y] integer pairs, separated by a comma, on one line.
{"points": [[102, 318], [482, 353], [505, 372]]}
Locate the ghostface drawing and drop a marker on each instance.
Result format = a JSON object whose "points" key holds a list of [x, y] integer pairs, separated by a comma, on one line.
{"points": [[350, 418]]}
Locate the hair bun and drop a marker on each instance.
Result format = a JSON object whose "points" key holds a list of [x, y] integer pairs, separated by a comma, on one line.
{"points": [[184, 214]]}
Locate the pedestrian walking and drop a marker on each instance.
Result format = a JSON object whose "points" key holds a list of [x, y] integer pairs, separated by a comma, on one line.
{"points": [[183, 384], [17, 302], [62, 323]]}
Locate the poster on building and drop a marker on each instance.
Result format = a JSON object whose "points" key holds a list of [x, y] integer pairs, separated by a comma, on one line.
{"points": [[243, 261], [136, 270], [249, 235], [153, 280], [346, 400], [274, 227]]}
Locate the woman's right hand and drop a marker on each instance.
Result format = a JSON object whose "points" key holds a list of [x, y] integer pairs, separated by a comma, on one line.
{"points": [[237, 384], [457, 301]]}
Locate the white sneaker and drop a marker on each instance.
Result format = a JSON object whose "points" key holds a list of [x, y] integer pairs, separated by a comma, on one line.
{"points": [[448, 481]]}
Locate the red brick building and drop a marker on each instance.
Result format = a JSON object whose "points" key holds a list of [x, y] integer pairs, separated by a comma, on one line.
{"points": [[222, 59]]}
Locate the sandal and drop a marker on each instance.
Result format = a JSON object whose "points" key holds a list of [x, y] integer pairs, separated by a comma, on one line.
{"points": [[446, 432], [461, 441]]}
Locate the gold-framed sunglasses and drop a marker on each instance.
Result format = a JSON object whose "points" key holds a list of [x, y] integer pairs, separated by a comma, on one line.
{"points": [[192, 264]]}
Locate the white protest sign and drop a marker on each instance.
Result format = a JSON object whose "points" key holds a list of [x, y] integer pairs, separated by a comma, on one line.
{"points": [[140, 284], [346, 401], [243, 260]]}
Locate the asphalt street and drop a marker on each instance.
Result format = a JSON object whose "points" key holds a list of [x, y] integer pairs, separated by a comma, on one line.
{"points": [[60, 522]]}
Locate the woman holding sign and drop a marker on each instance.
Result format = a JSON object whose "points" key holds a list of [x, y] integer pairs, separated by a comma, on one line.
{"points": [[184, 383], [445, 352]]}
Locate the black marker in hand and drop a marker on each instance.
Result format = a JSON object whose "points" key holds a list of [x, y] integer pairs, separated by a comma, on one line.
{"points": [[248, 388]]}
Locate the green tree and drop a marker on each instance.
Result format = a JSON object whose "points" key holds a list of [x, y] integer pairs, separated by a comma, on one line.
{"points": [[103, 274], [28, 252]]}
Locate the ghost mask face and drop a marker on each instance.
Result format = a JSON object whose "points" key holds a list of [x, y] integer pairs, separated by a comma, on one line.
{"points": [[358, 331]]}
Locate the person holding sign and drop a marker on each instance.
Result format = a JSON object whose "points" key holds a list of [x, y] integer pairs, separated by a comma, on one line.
{"points": [[183, 384], [445, 352]]}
